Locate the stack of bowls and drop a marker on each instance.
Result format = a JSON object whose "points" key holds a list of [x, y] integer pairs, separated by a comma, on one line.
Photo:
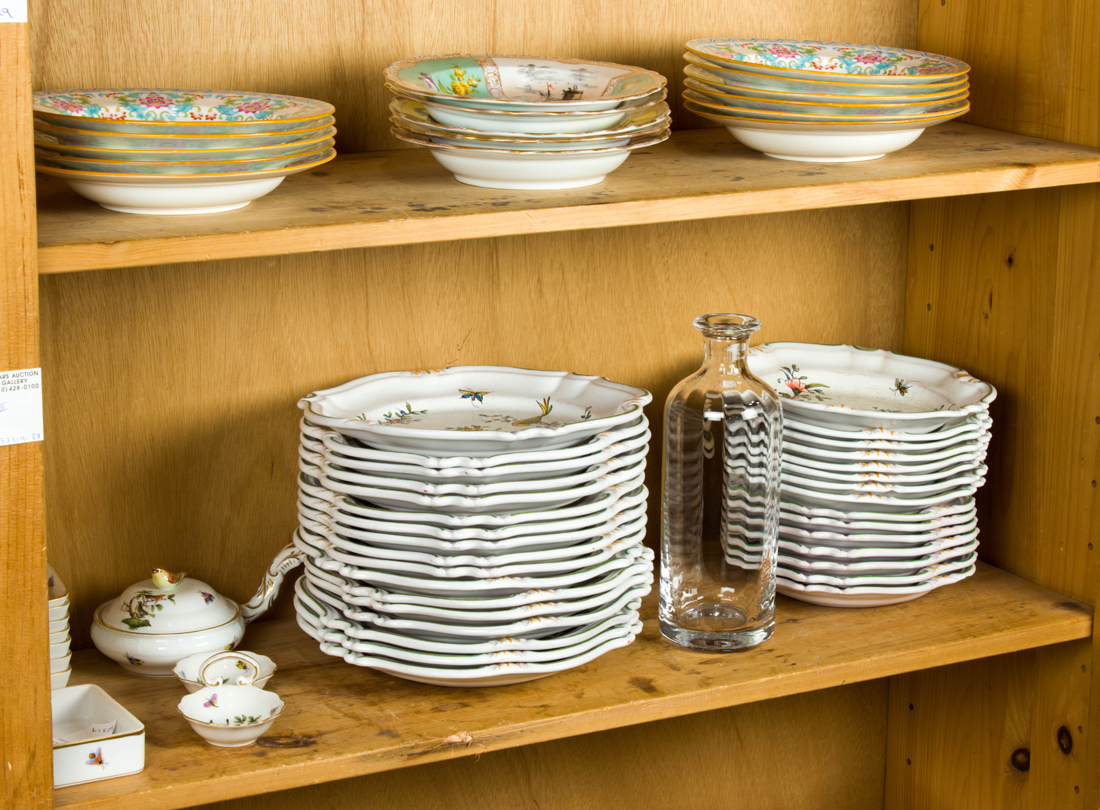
{"points": [[526, 122], [882, 455], [474, 526], [60, 654], [178, 151], [822, 101]]}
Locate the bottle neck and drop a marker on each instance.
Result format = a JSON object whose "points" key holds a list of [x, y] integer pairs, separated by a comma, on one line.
{"points": [[725, 356]]}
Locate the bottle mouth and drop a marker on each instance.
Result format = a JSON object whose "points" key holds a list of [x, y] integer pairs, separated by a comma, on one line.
{"points": [[726, 326]]}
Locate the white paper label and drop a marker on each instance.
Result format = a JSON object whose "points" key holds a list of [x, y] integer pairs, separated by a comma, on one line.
{"points": [[13, 11], [21, 406]]}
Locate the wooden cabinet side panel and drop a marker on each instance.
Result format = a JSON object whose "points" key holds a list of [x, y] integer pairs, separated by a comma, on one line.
{"points": [[25, 751], [815, 751], [1003, 733]]}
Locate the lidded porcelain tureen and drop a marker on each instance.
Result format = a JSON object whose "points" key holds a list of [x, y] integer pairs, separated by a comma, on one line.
{"points": [[159, 621]]}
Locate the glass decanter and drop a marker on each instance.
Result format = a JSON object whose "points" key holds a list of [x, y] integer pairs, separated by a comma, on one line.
{"points": [[721, 497]]}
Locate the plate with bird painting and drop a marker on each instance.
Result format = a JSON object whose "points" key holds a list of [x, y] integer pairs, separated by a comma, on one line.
{"points": [[869, 388], [475, 410], [496, 81]]}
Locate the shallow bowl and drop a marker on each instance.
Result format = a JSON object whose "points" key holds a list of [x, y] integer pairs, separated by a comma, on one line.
{"points": [[498, 81], [228, 669], [230, 716], [152, 194], [531, 123], [217, 153]]}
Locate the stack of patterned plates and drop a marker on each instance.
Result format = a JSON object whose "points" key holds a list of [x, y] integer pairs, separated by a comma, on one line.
{"points": [[882, 455], [822, 101], [178, 151], [473, 526], [60, 654], [526, 122]]}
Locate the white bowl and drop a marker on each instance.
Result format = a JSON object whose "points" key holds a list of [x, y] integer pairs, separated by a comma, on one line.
{"points": [[61, 663], [230, 716], [241, 667], [58, 591], [59, 635], [60, 649], [532, 123], [60, 624], [58, 680], [152, 194]]}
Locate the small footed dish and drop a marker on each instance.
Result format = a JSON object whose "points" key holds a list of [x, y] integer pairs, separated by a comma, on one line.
{"points": [[238, 667], [229, 716]]}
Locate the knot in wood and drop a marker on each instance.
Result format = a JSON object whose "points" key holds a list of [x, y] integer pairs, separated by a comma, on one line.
{"points": [[1021, 760]]}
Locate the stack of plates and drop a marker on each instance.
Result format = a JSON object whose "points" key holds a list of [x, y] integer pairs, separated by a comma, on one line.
{"points": [[473, 526], [526, 122], [178, 151], [60, 655], [882, 455], [822, 101]]}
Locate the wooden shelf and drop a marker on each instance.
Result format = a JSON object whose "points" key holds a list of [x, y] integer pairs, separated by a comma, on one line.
{"points": [[403, 196], [342, 721]]}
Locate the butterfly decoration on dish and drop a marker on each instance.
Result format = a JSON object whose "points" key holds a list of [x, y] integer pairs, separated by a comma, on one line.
{"points": [[474, 396], [96, 758], [211, 702]]}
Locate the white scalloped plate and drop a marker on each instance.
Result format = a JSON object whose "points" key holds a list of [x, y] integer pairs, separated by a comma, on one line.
{"points": [[867, 596], [475, 410]]}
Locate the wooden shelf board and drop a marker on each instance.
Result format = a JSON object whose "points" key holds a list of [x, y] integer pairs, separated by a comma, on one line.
{"points": [[343, 721], [403, 196]]}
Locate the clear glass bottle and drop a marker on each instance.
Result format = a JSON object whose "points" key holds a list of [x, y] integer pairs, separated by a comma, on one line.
{"points": [[723, 431]]}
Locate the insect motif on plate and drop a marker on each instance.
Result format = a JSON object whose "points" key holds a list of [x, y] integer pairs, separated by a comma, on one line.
{"points": [[96, 758], [474, 396], [137, 662], [901, 386], [212, 703]]}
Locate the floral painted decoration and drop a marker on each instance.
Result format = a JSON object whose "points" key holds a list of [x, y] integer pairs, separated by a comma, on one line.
{"points": [[829, 57], [798, 387], [178, 105], [144, 606]]}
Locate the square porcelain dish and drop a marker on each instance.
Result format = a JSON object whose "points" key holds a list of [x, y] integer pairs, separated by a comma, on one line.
{"points": [[118, 754]]}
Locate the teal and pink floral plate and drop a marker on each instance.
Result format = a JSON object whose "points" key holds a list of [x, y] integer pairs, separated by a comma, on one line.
{"points": [[475, 410], [162, 110], [839, 60], [502, 82]]}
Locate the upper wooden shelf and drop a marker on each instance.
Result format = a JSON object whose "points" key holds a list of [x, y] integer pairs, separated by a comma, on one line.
{"points": [[342, 721], [403, 196]]}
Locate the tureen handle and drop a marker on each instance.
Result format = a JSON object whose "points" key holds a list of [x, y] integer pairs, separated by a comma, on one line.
{"points": [[285, 561], [244, 680]]}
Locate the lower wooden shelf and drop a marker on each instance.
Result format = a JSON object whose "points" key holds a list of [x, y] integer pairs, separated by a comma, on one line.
{"points": [[341, 721]]}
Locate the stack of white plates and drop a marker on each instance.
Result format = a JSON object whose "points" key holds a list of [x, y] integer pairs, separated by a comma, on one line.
{"points": [[473, 526], [60, 654], [526, 122], [822, 101], [882, 455], [178, 151]]}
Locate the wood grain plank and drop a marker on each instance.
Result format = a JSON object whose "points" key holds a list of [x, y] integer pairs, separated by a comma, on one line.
{"points": [[748, 754], [25, 749], [343, 722], [1004, 732], [400, 197]]}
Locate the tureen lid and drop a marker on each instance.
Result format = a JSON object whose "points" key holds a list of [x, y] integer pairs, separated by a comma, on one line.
{"points": [[167, 603]]}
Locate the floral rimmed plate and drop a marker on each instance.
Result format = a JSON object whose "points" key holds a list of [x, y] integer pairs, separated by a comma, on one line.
{"points": [[784, 113], [507, 82], [841, 60], [414, 115], [732, 74], [188, 168], [244, 112], [177, 155], [87, 139], [858, 109], [475, 410], [868, 388], [712, 78]]}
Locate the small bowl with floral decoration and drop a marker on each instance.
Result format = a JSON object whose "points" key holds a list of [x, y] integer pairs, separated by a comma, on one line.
{"points": [[226, 715], [238, 668]]}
